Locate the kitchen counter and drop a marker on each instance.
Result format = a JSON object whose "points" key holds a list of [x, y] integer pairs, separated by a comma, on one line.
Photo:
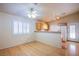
{"points": [[48, 32], [50, 38]]}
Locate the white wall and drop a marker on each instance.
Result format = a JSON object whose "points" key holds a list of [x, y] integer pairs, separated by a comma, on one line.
{"points": [[7, 38], [54, 27]]}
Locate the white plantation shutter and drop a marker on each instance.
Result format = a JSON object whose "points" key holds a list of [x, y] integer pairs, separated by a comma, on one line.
{"points": [[20, 27]]}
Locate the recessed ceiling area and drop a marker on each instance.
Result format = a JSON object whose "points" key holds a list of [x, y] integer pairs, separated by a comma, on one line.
{"points": [[50, 10]]}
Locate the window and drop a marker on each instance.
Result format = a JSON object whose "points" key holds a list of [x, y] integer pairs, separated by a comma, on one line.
{"points": [[72, 31], [20, 27]]}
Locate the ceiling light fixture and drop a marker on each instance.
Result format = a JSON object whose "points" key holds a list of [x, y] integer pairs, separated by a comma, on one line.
{"points": [[33, 11]]}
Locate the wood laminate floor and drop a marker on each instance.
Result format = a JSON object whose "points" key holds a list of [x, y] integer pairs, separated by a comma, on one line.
{"points": [[32, 49], [72, 49], [40, 49]]}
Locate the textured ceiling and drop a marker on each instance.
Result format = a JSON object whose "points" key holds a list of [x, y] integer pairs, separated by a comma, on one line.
{"points": [[50, 10]]}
